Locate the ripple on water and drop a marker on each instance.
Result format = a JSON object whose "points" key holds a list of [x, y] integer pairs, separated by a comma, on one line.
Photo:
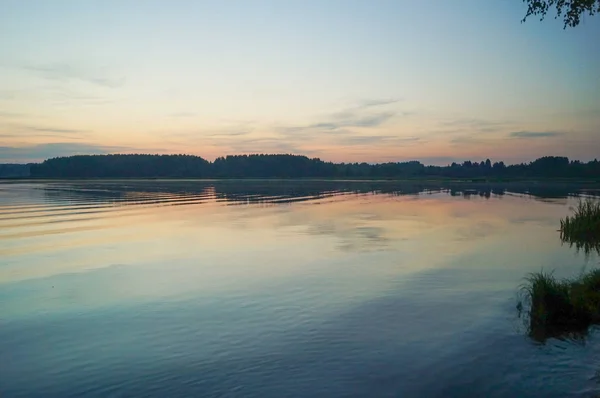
{"points": [[321, 289]]}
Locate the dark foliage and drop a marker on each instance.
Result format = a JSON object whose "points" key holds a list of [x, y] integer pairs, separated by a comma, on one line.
{"points": [[14, 170], [582, 229], [559, 308], [122, 166], [292, 166], [570, 10]]}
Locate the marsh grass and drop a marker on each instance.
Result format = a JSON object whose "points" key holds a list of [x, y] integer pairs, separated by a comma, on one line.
{"points": [[582, 228], [561, 307]]}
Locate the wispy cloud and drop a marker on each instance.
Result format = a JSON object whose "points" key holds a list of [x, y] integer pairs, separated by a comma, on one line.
{"points": [[535, 134], [367, 103], [468, 140], [439, 160], [10, 115], [228, 134], [183, 114], [64, 72], [476, 125], [375, 140], [60, 94], [33, 153], [7, 95], [18, 130], [60, 131], [263, 145], [198, 136], [361, 116], [349, 119], [64, 96]]}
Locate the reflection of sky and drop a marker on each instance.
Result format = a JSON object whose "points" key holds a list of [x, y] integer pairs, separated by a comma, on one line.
{"points": [[144, 251], [282, 299], [367, 82]]}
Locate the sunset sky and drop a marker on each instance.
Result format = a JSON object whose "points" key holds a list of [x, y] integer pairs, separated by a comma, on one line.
{"points": [[371, 80]]}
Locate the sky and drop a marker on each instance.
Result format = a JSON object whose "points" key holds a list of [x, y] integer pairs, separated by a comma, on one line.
{"points": [[342, 80]]}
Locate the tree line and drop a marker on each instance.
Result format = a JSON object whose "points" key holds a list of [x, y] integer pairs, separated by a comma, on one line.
{"points": [[295, 166]]}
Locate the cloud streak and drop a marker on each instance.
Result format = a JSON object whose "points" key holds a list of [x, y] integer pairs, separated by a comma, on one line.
{"points": [[375, 140], [63, 72], [59, 131], [350, 120], [368, 103], [361, 116], [33, 153], [17, 130], [183, 114], [535, 134], [479, 125]]}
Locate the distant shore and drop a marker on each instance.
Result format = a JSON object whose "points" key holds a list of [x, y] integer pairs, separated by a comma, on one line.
{"points": [[433, 180], [548, 168]]}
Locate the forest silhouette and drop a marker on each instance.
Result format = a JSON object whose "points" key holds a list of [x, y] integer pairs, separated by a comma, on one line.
{"points": [[295, 166]]}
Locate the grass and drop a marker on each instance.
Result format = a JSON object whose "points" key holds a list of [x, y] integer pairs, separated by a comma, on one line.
{"points": [[582, 229], [559, 307]]}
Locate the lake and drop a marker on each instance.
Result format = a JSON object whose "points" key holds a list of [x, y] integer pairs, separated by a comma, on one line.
{"points": [[282, 289]]}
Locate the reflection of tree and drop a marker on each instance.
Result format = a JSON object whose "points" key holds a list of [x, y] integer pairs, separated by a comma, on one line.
{"points": [[586, 247], [284, 191], [582, 228]]}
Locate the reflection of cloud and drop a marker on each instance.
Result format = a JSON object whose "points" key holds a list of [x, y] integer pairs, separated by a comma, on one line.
{"points": [[535, 134], [364, 239], [46, 151], [480, 230], [360, 238], [539, 220]]}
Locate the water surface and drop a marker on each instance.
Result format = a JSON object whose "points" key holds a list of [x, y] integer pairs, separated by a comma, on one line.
{"points": [[281, 288]]}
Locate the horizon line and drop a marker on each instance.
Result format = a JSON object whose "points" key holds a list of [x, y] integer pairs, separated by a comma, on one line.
{"points": [[298, 155]]}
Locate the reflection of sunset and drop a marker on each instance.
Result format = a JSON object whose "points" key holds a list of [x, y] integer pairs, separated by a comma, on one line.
{"points": [[154, 271], [193, 228]]}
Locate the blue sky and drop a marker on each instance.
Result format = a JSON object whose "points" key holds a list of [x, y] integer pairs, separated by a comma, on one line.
{"points": [[342, 80]]}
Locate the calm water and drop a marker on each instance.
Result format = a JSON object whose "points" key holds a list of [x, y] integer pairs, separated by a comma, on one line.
{"points": [[280, 289]]}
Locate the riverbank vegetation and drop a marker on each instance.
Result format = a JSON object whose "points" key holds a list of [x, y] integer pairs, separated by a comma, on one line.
{"points": [[562, 307], [558, 307], [582, 229]]}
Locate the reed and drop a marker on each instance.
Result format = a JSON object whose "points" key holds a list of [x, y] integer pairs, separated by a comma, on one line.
{"points": [[582, 228], [558, 307]]}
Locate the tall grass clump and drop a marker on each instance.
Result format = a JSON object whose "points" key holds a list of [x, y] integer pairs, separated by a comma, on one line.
{"points": [[560, 307], [582, 228]]}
